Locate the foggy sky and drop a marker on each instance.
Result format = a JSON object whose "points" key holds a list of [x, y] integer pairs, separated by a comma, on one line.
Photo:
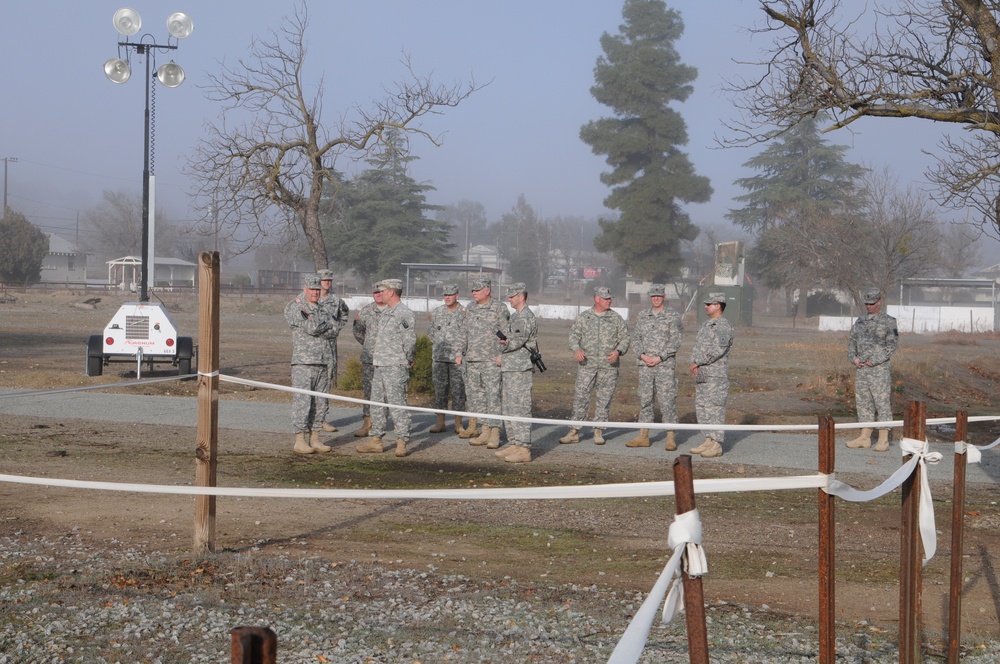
{"points": [[76, 134]]}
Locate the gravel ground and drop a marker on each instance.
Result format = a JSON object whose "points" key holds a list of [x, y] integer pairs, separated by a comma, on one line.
{"points": [[76, 600]]}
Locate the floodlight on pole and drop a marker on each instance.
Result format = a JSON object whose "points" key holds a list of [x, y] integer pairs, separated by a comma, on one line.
{"points": [[118, 70]]}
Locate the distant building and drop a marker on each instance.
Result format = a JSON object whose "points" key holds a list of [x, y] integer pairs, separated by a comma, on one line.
{"points": [[125, 273], [64, 263]]}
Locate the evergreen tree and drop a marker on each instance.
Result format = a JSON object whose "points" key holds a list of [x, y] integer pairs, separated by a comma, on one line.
{"points": [[524, 241], [22, 249], [638, 76], [379, 220], [802, 204]]}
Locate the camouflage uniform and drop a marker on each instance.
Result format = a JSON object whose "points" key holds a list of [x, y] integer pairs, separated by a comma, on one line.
{"points": [[395, 347], [340, 313], [658, 335], [516, 371], [711, 355], [310, 323], [479, 350], [446, 335], [365, 330], [597, 335], [873, 338]]}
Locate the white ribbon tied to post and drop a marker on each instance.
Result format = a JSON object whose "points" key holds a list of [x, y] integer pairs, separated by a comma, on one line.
{"points": [[920, 456], [684, 538]]}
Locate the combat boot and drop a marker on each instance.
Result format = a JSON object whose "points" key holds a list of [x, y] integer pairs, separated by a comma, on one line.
{"points": [[439, 426], [519, 455], [864, 439], [472, 431], [482, 438], [712, 450], [366, 427], [505, 451], [494, 440], [329, 428], [671, 441], [598, 436], [316, 444], [642, 440], [301, 446], [883, 441], [400, 448], [371, 446], [458, 425], [701, 448], [572, 436]]}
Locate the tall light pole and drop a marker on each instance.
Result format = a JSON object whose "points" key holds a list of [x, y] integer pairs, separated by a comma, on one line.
{"points": [[118, 70], [6, 160]]}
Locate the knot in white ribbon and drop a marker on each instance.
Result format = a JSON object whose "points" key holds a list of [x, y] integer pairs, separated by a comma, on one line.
{"points": [[971, 452], [928, 531], [684, 538]]}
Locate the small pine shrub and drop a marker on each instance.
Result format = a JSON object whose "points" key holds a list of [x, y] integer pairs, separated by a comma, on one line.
{"points": [[421, 378], [350, 377]]}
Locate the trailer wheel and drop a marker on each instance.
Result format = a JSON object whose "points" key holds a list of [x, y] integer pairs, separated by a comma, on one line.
{"points": [[185, 353], [95, 355]]}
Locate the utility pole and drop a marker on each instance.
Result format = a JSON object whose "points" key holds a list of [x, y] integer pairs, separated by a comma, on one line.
{"points": [[6, 160]]}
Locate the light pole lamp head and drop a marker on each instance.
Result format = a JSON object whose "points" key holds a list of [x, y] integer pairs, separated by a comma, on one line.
{"points": [[170, 75], [180, 25], [127, 21], [117, 70]]}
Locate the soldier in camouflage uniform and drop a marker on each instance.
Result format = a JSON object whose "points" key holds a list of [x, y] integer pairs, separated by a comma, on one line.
{"points": [[365, 331], [479, 347], [516, 374], [446, 334], [598, 339], [310, 322], [873, 340], [710, 368], [395, 347], [656, 338], [338, 308]]}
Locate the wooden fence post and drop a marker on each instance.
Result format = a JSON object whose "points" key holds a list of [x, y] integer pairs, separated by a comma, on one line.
{"points": [[827, 547], [957, 541], [208, 400], [694, 595], [254, 645], [910, 562]]}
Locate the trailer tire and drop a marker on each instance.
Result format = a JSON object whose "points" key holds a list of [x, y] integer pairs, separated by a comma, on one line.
{"points": [[95, 355], [185, 353]]}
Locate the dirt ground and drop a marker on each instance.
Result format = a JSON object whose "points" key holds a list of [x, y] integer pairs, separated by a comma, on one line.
{"points": [[762, 546]]}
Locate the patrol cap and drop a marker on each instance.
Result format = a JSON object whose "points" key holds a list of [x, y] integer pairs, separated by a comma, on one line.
{"points": [[312, 282], [392, 284], [871, 295], [450, 289], [715, 298], [378, 287], [481, 283], [603, 292], [657, 289], [516, 289], [325, 275]]}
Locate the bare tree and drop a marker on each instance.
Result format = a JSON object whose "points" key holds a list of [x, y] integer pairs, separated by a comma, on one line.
{"points": [[958, 254], [264, 165], [893, 59], [113, 228]]}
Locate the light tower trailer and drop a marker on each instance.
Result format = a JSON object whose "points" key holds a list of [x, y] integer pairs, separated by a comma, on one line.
{"points": [[141, 332]]}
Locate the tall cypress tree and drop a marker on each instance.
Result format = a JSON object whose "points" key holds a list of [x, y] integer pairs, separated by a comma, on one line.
{"points": [[801, 204], [638, 77]]}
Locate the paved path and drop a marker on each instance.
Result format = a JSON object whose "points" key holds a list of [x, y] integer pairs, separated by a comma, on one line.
{"points": [[779, 450]]}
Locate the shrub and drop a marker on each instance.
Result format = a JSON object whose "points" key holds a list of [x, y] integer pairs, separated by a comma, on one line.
{"points": [[421, 379], [350, 377]]}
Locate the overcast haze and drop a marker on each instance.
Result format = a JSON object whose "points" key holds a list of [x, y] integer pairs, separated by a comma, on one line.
{"points": [[76, 134]]}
